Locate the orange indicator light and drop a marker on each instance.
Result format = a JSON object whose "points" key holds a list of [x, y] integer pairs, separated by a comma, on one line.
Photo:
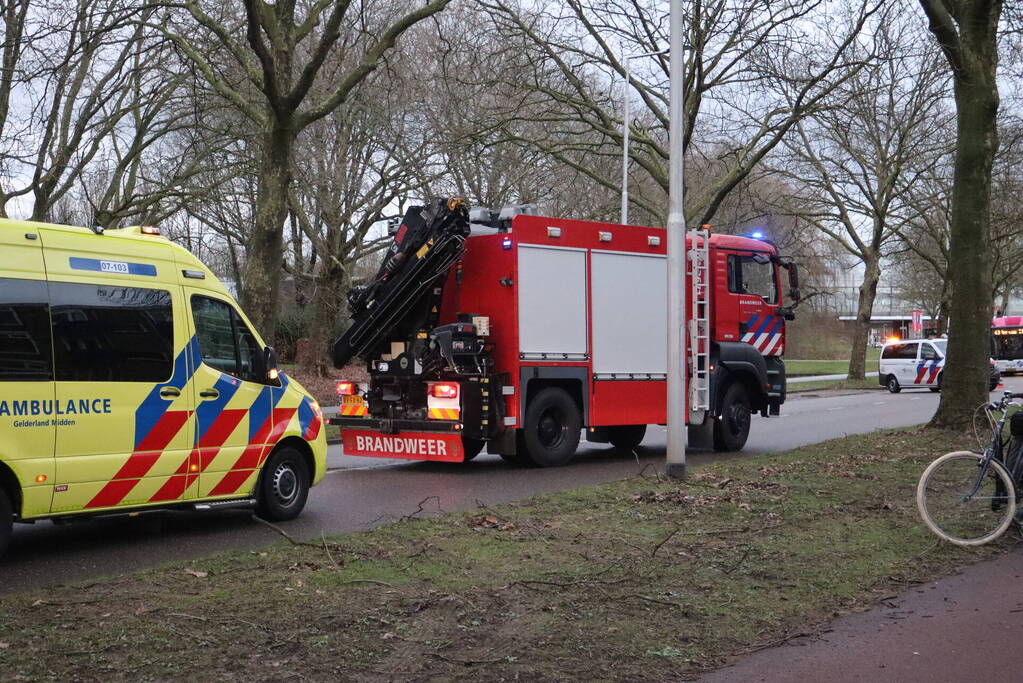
{"points": [[40, 478]]}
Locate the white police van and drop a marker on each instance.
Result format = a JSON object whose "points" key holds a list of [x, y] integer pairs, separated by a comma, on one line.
{"points": [[920, 363]]}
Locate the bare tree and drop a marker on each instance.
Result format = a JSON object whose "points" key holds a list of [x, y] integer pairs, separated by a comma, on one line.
{"points": [[967, 31], [852, 161], [278, 52], [753, 70]]}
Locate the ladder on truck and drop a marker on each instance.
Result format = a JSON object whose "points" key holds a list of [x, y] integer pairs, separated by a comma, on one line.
{"points": [[698, 271]]}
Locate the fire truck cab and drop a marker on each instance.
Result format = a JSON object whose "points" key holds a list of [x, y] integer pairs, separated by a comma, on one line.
{"points": [[534, 329]]}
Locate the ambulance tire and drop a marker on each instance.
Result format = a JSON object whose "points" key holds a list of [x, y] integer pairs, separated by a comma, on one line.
{"points": [[551, 428], [283, 486], [626, 437], [893, 384], [731, 429], [471, 448], [6, 522]]}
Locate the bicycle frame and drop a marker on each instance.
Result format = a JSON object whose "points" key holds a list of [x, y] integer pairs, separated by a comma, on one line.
{"points": [[995, 449]]}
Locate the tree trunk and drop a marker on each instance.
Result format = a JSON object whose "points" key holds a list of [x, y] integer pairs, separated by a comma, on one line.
{"points": [[945, 304], [264, 257], [964, 385], [864, 311], [327, 303], [1006, 293]]}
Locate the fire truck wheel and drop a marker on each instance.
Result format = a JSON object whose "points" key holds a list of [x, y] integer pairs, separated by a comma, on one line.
{"points": [[731, 429], [283, 486], [626, 437], [551, 428], [893, 384], [6, 522], [472, 447]]}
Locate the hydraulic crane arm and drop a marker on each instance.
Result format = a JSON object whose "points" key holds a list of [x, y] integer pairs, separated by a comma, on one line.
{"points": [[402, 293]]}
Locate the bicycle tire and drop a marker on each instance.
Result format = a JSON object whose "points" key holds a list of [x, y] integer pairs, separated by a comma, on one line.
{"points": [[941, 499]]}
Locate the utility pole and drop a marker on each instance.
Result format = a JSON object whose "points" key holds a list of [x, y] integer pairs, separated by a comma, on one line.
{"points": [[626, 125], [676, 417]]}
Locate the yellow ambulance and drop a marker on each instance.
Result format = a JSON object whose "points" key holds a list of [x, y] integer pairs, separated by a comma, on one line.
{"points": [[131, 380]]}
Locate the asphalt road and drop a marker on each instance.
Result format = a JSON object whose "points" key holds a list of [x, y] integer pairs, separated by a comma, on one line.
{"points": [[360, 493]]}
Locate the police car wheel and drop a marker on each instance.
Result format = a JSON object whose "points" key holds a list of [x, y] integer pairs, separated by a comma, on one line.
{"points": [[893, 384], [283, 486], [6, 522], [626, 437], [552, 426]]}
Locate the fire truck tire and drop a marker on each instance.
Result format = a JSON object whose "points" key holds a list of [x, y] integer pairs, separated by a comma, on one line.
{"points": [[731, 429], [551, 428], [6, 522], [626, 437], [283, 486], [472, 447]]}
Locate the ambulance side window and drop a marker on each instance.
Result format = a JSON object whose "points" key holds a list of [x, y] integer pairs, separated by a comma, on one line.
{"points": [[25, 348], [105, 333], [225, 341]]}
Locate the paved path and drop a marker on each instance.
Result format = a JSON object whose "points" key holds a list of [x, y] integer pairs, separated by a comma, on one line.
{"points": [[361, 493], [967, 627]]}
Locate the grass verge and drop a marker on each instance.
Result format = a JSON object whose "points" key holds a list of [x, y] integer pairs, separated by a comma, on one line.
{"points": [[828, 367], [866, 383], [643, 579]]}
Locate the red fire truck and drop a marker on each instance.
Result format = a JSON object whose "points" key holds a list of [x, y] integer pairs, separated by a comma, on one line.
{"points": [[518, 332]]}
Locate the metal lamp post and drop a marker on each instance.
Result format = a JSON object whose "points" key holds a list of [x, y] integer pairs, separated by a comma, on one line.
{"points": [[676, 415]]}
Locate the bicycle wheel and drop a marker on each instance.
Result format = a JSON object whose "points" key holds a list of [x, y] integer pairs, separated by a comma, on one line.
{"points": [[947, 507]]}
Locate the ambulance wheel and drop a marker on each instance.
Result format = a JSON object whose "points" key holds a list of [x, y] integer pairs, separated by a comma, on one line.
{"points": [[731, 429], [626, 437], [893, 384], [283, 486], [471, 448], [6, 522], [551, 428]]}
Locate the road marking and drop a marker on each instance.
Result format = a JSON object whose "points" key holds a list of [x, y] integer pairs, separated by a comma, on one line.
{"points": [[357, 469], [915, 399], [879, 403], [831, 410]]}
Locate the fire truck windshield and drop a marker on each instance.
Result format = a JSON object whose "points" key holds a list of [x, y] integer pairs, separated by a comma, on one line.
{"points": [[1007, 343]]}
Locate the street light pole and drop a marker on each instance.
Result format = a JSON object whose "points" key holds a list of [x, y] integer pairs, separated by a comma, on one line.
{"points": [[676, 415], [626, 126]]}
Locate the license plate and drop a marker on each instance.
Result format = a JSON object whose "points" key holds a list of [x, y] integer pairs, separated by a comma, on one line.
{"points": [[407, 445], [352, 400]]}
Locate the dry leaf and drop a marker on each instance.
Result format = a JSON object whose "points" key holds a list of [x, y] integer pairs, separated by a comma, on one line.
{"points": [[197, 573]]}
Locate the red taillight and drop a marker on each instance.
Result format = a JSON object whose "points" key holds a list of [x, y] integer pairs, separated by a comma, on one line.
{"points": [[444, 390], [346, 388]]}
